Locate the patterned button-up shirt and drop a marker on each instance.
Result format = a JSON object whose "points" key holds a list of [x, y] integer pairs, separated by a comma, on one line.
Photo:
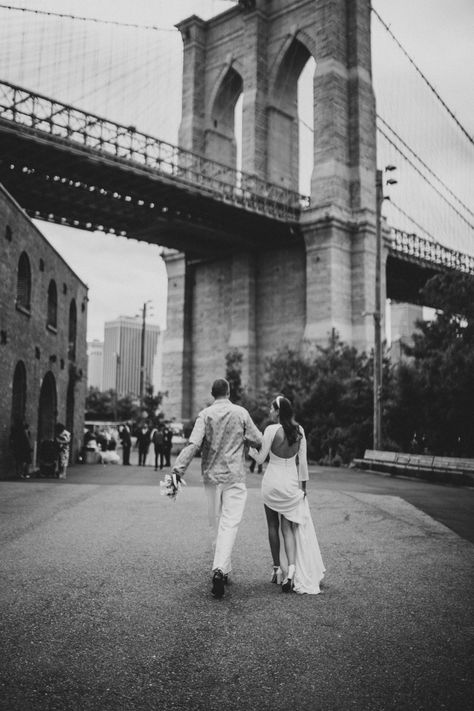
{"points": [[221, 430]]}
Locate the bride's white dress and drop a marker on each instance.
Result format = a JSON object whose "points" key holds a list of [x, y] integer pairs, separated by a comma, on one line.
{"points": [[281, 492]]}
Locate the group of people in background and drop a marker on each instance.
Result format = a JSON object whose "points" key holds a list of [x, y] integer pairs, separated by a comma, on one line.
{"points": [[53, 455], [160, 436], [144, 436]]}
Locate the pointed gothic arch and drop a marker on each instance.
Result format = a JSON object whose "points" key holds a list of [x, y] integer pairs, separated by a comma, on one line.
{"points": [[221, 140], [287, 72], [283, 119]]}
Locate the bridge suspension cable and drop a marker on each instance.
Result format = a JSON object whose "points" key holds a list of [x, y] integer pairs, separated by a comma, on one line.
{"points": [[425, 166], [88, 19], [120, 70], [414, 222], [427, 180], [427, 82], [417, 134], [420, 173]]}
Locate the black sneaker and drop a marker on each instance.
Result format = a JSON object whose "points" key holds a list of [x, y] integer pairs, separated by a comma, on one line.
{"points": [[218, 584]]}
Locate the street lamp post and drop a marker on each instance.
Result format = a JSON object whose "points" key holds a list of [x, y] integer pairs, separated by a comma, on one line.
{"points": [[142, 353], [377, 425], [378, 361], [117, 384]]}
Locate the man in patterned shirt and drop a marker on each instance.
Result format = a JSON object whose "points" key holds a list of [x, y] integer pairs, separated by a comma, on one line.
{"points": [[221, 430]]}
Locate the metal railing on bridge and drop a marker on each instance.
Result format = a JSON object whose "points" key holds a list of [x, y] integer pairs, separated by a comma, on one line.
{"points": [[419, 249], [43, 115]]}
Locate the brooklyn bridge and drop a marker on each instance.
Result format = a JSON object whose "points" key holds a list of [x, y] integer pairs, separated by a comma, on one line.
{"points": [[249, 257]]}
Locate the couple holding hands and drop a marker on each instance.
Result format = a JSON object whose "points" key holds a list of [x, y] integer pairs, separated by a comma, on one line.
{"points": [[221, 432]]}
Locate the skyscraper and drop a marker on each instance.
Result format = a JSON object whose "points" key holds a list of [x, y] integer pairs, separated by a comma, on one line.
{"points": [[122, 354], [95, 357]]}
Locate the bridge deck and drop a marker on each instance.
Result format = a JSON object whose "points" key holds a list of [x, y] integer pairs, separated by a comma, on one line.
{"points": [[78, 169], [75, 185]]}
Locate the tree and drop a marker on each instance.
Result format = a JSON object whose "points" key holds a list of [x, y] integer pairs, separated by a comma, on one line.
{"points": [[128, 408], [331, 392], [402, 415], [439, 375], [256, 404], [100, 405], [152, 402], [106, 406]]}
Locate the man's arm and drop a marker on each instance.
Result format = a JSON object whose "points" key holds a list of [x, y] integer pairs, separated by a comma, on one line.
{"points": [[187, 454], [252, 434]]}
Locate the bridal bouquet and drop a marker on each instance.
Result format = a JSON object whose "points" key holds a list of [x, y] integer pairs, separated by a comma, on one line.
{"points": [[171, 486]]}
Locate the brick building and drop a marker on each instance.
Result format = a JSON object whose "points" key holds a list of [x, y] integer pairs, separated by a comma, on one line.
{"points": [[43, 317]]}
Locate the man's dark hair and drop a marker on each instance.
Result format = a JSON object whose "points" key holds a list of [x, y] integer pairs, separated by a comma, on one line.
{"points": [[220, 388]]}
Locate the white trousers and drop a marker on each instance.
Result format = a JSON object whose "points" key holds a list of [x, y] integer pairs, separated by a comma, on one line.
{"points": [[225, 506]]}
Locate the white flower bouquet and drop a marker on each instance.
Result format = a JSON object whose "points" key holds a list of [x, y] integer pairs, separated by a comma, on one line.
{"points": [[171, 486]]}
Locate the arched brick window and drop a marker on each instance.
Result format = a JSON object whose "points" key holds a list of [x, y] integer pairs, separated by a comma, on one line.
{"points": [[23, 284], [52, 305], [72, 330], [19, 394]]}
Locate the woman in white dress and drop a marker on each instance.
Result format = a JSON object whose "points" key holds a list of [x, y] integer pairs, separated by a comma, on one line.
{"points": [[286, 505]]}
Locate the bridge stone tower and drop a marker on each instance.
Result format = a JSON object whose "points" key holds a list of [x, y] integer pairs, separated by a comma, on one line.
{"points": [[259, 301]]}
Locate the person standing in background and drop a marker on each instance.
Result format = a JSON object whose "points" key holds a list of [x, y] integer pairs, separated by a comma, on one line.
{"points": [[168, 440], [62, 439], [143, 443], [126, 439], [158, 439]]}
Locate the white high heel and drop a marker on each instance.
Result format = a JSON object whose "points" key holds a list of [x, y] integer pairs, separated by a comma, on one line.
{"points": [[277, 575]]}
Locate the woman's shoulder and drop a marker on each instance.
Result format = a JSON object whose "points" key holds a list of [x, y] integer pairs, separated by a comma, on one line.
{"points": [[272, 427]]}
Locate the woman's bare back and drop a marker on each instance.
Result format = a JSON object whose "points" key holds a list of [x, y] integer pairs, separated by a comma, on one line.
{"points": [[280, 446]]}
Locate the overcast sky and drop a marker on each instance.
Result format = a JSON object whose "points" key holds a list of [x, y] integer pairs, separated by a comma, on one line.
{"points": [[122, 274]]}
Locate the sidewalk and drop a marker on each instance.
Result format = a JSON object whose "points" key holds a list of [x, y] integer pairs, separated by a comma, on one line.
{"points": [[105, 604]]}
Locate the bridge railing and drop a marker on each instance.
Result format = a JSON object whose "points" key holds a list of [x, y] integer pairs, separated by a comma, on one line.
{"points": [[415, 248], [61, 121]]}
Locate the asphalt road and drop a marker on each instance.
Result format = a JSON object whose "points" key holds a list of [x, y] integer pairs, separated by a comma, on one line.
{"points": [[105, 600], [451, 505]]}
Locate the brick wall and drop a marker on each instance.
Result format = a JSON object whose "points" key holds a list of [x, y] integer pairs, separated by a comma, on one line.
{"points": [[24, 333]]}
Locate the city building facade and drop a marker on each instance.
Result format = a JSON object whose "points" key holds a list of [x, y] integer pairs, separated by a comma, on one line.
{"points": [[43, 320], [123, 353], [95, 363]]}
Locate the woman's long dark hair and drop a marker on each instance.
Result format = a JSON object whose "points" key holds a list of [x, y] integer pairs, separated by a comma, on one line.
{"points": [[287, 420]]}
